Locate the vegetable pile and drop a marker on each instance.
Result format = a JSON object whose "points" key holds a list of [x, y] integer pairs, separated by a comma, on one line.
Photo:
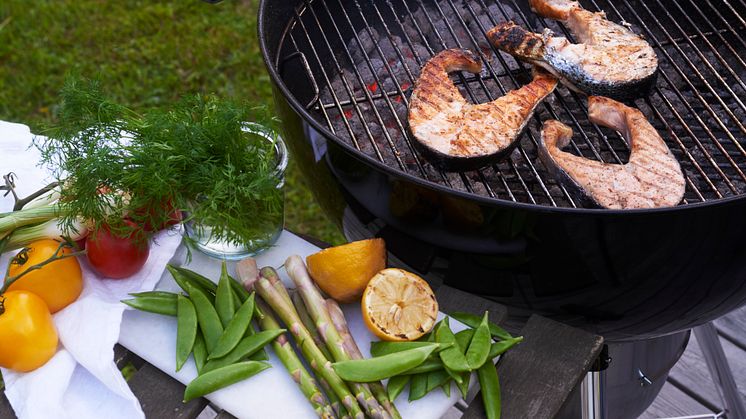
{"points": [[214, 324], [136, 173]]}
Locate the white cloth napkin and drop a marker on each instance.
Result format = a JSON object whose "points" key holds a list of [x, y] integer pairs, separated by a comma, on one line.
{"points": [[81, 380]]}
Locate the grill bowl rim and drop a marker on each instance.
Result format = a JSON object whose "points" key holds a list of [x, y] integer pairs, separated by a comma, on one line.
{"points": [[290, 98]]}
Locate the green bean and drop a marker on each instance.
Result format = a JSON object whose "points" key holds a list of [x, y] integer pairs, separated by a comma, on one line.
{"points": [[186, 330], [246, 347], [382, 367], [163, 294], [436, 379], [222, 377], [209, 322], [380, 348], [479, 347], [430, 364], [453, 358], [490, 385], [199, 351], [417, 387], [153, 304], [225, 305], [473, 321], [235, 329], [498, 348], [396, 385]]}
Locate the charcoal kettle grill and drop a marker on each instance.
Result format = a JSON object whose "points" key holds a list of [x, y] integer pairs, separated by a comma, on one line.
{"points": [[342, 73]]}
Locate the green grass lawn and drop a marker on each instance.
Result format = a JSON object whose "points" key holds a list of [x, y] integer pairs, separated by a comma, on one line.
{"points": [[147, 54]]}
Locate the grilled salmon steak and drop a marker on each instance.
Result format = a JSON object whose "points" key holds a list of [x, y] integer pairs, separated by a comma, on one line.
{"points": [[651, 178], [459, 135], [608, 60]]}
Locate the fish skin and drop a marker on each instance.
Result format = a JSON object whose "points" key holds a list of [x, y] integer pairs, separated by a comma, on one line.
{"points": [[608, 60], [652, 178], [457, 135]]}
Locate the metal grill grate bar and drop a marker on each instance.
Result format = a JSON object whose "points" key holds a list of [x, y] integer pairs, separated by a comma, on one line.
{"points": [[700, 99]]}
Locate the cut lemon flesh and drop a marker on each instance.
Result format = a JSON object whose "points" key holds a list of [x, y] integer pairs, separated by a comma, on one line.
{"points": [[398, 305]]}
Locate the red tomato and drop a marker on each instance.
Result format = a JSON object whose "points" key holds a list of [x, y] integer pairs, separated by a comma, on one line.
{"points": [[174, 215], [116, 257]]}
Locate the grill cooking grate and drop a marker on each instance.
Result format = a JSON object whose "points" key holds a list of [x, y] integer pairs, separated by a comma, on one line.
{"points": [[363, 56]]}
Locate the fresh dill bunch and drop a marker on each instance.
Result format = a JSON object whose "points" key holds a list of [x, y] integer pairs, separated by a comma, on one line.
{"points": [[194, 157]]}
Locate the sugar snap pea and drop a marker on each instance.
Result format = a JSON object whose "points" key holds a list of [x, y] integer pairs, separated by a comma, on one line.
{"points": [[463, 384], [183, 282], [154, 304], [498, 348], [239, 289], [200, 352], [396, 385], [197, 279], [209, 322], [453, 357], [430, 364], [235, 329], [417, 387], [186, 330], [447, 388], [479, 347], [225, 304], [464, 337], [246, 347], [222, 377], [436, 379], [382, 367], [163, 294], [380, 348], [473, 321], [490, 386]]}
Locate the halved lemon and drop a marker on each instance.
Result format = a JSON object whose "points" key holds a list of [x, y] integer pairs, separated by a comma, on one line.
{"points": [[399, 306], [343, 271]]}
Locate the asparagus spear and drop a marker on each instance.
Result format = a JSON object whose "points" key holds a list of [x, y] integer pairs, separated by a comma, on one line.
{"points": [[340, 323], [323, 367], [316, 307], [308, 323], [290, 360]]}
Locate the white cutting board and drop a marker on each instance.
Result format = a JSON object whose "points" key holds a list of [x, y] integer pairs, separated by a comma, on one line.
{"points": [[271, 393]]}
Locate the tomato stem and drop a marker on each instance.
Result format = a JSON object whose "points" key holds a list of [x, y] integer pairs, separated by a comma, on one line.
{"points": [[22, 257]]}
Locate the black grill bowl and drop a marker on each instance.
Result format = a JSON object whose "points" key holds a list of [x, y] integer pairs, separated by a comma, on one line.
{"points": [[509, 232]]}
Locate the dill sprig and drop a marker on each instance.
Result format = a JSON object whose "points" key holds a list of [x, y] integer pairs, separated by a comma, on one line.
{"points": [[116, 164]]}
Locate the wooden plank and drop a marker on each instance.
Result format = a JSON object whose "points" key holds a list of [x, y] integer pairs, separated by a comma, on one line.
{"points": [[123, 356], [691, 372], [538, 375], [161, 396], [733, 327], [673, 402], [451, 299], [6, 411]]}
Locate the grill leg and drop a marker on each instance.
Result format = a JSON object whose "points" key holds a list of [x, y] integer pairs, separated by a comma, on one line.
{"points": [[709, 342], [593, 395]]}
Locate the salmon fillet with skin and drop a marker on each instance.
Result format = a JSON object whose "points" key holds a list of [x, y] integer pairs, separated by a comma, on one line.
{"points": [[459, 135], [652, 177], [608, 60]]}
